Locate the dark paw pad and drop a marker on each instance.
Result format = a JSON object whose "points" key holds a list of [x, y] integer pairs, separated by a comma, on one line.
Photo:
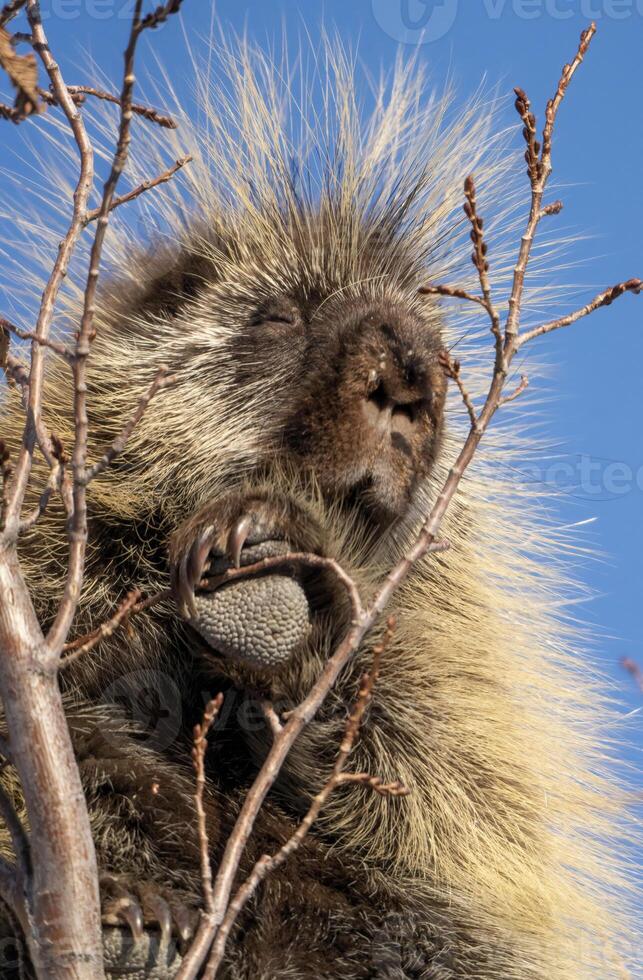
{"points": [[151, 957]]}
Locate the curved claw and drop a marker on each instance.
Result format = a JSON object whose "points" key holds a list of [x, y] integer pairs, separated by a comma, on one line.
{"points": [[160, 910], [197, 556], [123, 906], [130, 911], [189, 572], [184, 590], [237, 538], [183, 923]]}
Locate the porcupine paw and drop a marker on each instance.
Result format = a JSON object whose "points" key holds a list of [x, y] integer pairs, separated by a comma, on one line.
{"points": [[145, 928], [260, 620]]}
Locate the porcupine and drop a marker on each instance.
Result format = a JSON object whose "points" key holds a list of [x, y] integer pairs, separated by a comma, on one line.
{"points": [[308, 412]]}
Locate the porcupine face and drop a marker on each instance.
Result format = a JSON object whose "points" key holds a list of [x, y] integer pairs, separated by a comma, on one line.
{"points": [[365, 410], [357, 404]]}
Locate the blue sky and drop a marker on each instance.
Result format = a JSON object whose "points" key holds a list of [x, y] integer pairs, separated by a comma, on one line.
{"points": [[596, 419]]}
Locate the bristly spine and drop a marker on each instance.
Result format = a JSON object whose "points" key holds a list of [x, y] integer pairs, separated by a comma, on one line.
{"points": [[486, 705]]}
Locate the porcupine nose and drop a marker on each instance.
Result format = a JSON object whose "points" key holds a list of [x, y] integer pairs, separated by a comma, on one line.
{"points": [[395, 385], [386, 413]]}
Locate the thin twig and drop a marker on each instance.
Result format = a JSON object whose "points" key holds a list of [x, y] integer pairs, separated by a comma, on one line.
{"points": [[539, 176], [76, 649], [10, 10], [61, 349], [56, 477], [481, 263], [452, 369], [516, 393], [376, 783], [267, 863], [147, 112], [603, 299], [452, 291], [532, 153], [554, 104], [271, 717], [88, 641], [267, 565], [479, 256], [161, 380], [199, 749], [161, 14], [147, 185]]}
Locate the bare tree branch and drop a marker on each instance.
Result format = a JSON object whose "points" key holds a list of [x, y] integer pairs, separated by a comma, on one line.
{"points": [[88, 641], [539, 172], [452, 370], [145, 186], [79, 648], [603, 299], [522, 386], [59, 271], [146, 112], [61, 349], [338, 777], [78, 529], [10, 10], [161, 380], [61, 910], [66, 942], [198, 757], [452, 291], [56, 477]]}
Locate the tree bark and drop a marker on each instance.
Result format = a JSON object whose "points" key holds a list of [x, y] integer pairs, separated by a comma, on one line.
{"points": [[63, 930]]}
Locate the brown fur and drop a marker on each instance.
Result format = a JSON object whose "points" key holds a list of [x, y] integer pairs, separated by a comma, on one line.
{"points": [[273, 310]]}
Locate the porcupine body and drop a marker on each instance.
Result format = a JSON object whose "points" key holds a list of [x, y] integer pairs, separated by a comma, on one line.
{"points": [[309, 410]]}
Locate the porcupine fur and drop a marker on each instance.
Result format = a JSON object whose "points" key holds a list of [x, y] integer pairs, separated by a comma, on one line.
{"points": [[502, 863]]}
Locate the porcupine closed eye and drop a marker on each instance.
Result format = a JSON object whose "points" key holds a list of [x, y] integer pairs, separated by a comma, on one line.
{"points": [[309, 413]]}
